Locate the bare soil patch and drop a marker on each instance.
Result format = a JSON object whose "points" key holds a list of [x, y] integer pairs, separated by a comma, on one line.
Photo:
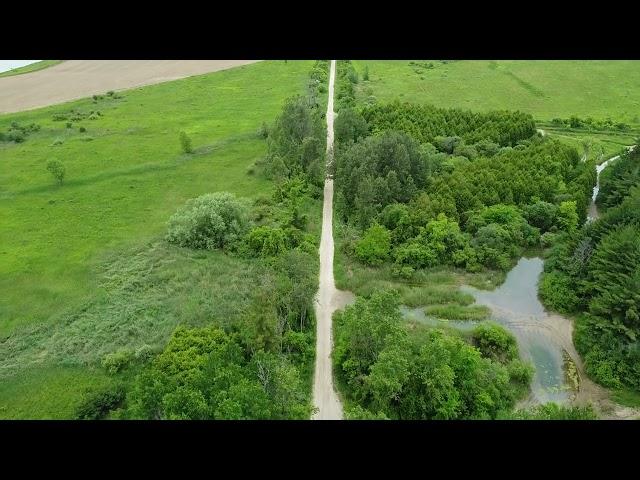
{"points": [[74, 79]]}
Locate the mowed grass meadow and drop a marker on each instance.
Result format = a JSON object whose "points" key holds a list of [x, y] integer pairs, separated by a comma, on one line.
{"points": [[83, 269], [546, 89]]}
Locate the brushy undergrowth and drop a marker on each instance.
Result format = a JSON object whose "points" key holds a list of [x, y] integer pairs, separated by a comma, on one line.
{"points": [[143, 296]]}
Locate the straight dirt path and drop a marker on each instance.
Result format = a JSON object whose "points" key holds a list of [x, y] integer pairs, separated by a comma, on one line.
{"points": [[75, 79], [328, 298]]}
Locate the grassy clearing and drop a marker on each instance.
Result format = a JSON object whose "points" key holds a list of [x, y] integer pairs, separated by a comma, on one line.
{"points": [[32, 67], [604, 144], [83, 270], [544, 88], [122, 186]]}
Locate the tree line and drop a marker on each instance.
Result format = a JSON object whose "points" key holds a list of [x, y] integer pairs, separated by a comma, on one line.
{"points": [[419, 204]]}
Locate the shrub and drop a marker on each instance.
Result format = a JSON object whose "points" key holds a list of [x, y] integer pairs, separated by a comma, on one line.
{"points": [[568, 216], [298, 345], [350, 126], [117, 361], [415, 255], [263, 131], [97, 404], [541, 215], [356, 412], [16, 136], [57, 169], [365, 74], [185, 143], [266, 241], [69, 124], [447, 144], [520, 372], [557, 292], [82, 129], [467, 151], [110, 93], [402, 271], [495, 342], [214, 220], [144, 353], [548, 239], [374, 247]]}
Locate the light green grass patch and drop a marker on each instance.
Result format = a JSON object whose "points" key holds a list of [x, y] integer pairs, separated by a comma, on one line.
{"points": [[47, 393], [544, 88]]}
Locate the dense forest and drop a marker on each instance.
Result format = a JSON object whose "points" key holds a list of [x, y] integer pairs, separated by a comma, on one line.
{"points": [[420, 187], [448, 202], [425, 123], [595, 272], [260, 366]]}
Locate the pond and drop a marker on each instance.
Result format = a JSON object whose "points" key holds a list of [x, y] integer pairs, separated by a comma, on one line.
{"points": [[541, 337], [515, 305]]}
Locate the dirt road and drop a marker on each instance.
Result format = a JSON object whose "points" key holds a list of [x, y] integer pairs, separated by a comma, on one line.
{"points": [[74, 79], [328, 298]]}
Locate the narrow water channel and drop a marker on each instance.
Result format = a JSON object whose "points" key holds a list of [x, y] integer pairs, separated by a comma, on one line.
{"points": [[593, 214]]}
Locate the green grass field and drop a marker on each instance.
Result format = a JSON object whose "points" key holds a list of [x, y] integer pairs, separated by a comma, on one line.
{"points": [[47, 393], [83, 272], [30, 68], [123, 185], [544, 88]]}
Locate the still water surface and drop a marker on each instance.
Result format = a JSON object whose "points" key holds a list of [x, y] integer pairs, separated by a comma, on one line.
{"points": [[516, 306]]}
